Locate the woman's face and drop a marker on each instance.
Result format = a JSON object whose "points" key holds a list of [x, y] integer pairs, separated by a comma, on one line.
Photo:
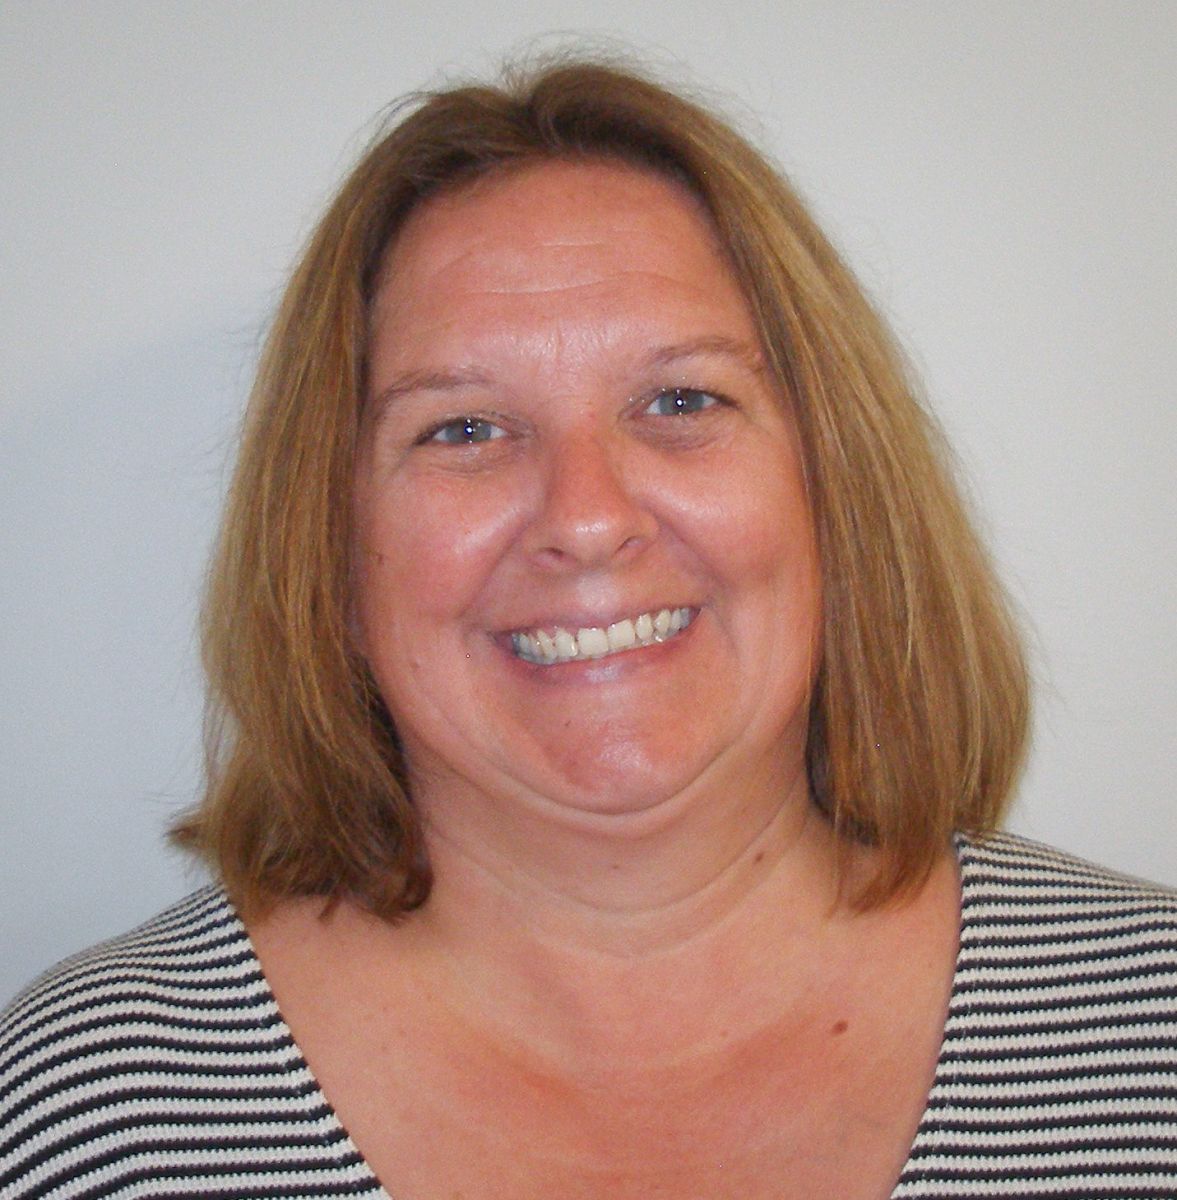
{"points": [[573, 449]]}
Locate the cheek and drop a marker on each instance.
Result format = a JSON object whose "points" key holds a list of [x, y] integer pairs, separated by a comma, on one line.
{"points": [[755, 530], [750, 518], [427, 549]]}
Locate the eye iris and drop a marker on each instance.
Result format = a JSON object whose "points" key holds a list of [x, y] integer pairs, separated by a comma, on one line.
{"points": [[682, 400], [465, 430]]}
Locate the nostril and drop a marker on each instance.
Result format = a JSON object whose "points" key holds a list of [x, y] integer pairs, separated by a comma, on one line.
{"points": [[594, 543], [590, 514]]}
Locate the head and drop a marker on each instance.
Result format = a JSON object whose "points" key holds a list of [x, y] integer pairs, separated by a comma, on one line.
{"points": [[918, 711]]}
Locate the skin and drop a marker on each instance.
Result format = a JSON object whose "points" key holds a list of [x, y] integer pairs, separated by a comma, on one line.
{"points": [[588, 508], [633, 977]]}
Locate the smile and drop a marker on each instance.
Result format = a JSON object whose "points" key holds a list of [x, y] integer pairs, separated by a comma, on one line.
{"points": [[562, 645]]}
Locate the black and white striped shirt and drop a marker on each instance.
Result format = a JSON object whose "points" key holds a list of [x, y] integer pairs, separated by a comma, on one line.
{"points": [[158, 1065]]}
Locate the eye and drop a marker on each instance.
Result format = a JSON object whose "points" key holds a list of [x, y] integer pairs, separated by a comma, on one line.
{"points": [[465, 431], [681, 402]]}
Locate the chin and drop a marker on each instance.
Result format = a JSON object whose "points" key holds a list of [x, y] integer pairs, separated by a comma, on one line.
{"points": [[625, 782]]}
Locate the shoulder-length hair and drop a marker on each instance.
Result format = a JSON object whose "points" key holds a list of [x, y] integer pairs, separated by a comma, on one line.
{"points": [[919, 709]]}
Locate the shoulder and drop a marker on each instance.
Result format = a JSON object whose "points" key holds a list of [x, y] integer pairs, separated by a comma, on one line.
{"points": [[171, 973], [1033, 917], [114, 1052], [1059, 1059], [1010, 882], [189, 961], [193, 930]]}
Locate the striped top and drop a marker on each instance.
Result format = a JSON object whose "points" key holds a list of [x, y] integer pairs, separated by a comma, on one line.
{"points": [[158, 1065]]}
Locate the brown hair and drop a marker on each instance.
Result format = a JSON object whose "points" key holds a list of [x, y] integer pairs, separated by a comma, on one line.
{"points": [[919, 713]]}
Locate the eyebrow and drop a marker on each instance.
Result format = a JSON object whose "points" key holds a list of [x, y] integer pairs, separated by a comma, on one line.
{"points": [[427, 381], [708, 345]]}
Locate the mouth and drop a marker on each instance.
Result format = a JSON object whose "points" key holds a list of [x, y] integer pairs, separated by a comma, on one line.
{"points": [[546, 647]]}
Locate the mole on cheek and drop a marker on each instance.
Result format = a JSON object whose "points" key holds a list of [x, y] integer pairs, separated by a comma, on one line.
{"points": [[839, 1027]]}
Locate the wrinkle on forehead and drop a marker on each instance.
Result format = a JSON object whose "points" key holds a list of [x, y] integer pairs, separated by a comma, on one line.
{"points": [[525, 267], [531, 223], [507, 271]]}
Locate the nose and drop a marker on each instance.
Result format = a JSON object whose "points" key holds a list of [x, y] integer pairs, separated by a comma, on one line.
{"points": [[592, 512]]}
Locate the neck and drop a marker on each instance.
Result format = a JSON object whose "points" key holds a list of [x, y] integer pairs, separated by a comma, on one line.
{"points": [[623, 927], [631, 883]]}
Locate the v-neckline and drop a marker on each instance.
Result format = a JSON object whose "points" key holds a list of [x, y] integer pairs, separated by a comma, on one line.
{"points": [[925, 1131]]}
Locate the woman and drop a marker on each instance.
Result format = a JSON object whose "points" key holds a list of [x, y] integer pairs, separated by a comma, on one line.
{"points": [[605, 665]]}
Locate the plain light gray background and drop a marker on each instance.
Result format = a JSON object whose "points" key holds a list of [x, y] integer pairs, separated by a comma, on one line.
{"points": [[1000, 174]]}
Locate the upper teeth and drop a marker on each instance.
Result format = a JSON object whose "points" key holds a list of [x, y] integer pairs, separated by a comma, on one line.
{"points": [[562, 645]]}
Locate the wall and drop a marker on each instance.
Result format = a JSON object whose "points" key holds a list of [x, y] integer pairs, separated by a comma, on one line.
{"points": [[1001, 175]]}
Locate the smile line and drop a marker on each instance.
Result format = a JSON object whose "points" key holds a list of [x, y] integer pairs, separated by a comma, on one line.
{"points": [[545, 648]]}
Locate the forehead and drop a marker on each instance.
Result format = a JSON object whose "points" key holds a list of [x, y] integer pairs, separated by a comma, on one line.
{"points": [[534, 204], [545, 239]]}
